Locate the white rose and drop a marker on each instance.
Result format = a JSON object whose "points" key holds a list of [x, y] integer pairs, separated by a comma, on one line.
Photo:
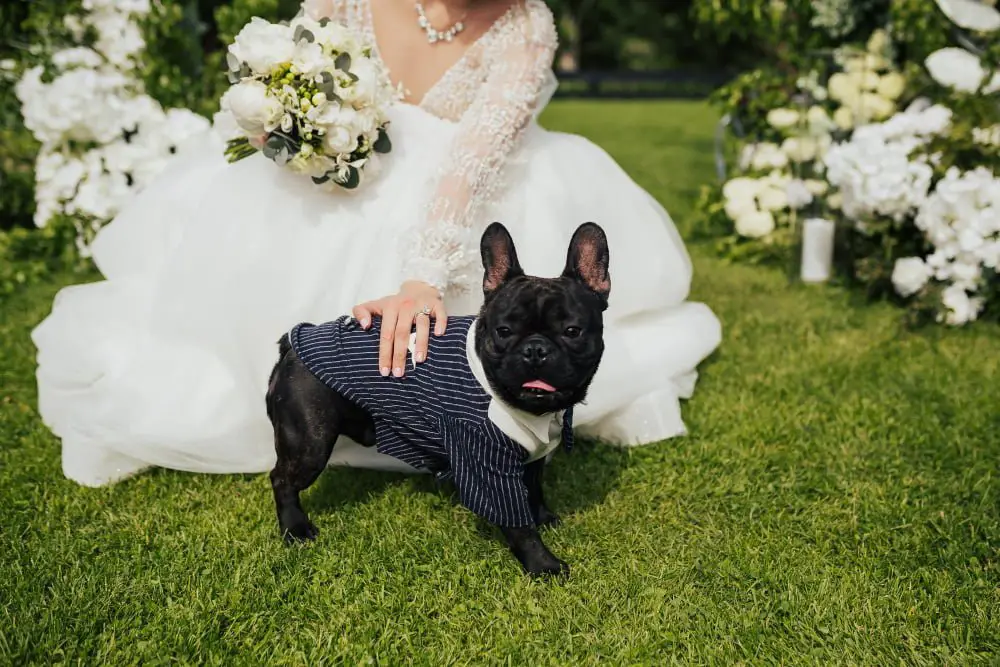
{"points": [[891, 86], [875, 107], [961, 309], [773, 198], [362, 92], [339, 140], [755, 224], [737, 208], [255, 111], [741, 189], [819, 121], [783, 118], [262, 45], [768, 156], [869, 80], [844, 118], [800, 149], [909, 275], [816, 187]]}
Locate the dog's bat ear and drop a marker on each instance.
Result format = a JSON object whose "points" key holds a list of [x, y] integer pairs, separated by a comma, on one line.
{"points": [[588, 260], [499, 258]]}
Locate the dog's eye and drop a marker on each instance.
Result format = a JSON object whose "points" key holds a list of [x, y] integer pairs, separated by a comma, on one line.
{"points": [[573, 332], [504, 332]]}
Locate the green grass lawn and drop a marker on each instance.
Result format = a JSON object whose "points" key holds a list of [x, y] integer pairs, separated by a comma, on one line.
{"points": [[838, 501]]}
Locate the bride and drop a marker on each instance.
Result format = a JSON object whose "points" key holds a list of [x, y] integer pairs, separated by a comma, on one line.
{"points": [[165, 361]]}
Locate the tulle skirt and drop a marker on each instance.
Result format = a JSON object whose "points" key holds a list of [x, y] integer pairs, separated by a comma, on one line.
{"points": [[165, 362]]}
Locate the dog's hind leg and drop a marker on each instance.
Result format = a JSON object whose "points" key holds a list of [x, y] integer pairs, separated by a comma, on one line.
{"points": [[306, 420]]}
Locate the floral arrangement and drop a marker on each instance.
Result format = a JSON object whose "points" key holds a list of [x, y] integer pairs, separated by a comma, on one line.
{"points": [[899, 156], [101, 137], [310, 97]]}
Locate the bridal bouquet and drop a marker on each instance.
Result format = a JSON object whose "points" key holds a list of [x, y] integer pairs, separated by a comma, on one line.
{"points": [[310, 97]]}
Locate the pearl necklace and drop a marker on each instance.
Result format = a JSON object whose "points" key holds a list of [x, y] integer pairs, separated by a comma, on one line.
{"points": [[433, 35]]}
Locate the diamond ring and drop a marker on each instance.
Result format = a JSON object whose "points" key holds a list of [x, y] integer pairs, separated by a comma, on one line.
{"points": [[426, 310]]}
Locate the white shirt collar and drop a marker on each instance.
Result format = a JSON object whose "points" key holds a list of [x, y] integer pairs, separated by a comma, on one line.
{"points": [[538, 434]]}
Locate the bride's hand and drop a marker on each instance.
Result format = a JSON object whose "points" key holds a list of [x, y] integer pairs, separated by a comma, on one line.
{"points": [[398, 312]]}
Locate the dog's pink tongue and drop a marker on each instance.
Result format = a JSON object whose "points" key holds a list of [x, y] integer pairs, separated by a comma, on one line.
{"points": [[540, 385]]}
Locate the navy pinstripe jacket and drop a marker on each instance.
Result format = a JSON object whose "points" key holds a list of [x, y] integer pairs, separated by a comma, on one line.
{"points": [[434, 419]]}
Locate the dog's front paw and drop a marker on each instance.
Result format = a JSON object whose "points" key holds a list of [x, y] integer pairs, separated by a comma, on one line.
{"points": [[547, 567], [296, 527]]}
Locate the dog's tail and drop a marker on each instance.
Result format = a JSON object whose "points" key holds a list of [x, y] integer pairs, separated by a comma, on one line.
{"points": [[284, 347]]}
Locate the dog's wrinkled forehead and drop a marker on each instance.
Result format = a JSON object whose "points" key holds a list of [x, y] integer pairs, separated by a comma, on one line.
{"points": [[541, 303]]}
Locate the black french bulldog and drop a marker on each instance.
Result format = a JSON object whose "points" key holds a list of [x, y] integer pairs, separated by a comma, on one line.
{"points": [[539, 342]]}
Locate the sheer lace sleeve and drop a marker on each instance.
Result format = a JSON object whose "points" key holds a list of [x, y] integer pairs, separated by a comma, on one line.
{"points": [[519, 61], [331, 9]]}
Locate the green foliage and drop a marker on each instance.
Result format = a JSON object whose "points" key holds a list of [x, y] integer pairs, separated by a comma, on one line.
{"points": [[31, 255]]}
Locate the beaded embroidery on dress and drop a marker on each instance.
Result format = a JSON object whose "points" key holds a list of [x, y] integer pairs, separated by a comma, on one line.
{"points": [[165, 362]]}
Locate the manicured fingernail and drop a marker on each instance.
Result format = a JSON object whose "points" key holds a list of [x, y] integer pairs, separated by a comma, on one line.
{"points": [[365, 322], [398, 372], [418, 357], [385, 372]]}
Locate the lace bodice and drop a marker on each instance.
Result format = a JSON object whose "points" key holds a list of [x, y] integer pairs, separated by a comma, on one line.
{"points": [[493, 92]]}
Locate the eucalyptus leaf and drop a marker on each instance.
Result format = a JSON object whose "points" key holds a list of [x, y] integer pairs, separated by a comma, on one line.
{"points": [[353, 179], [297, 35], [308, 36], [233, 62], [343, 62], [382, 144], [325, 21], [244, 70], [233, 77], [320, 180]]}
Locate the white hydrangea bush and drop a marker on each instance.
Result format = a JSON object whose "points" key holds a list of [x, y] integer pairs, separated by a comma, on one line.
{"points": [[102, 138], [905, 164]]}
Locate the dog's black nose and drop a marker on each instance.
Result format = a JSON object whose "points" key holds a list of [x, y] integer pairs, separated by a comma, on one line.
{"points": [[536, 350]]}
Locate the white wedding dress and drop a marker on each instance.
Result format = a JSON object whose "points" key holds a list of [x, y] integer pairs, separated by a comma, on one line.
{"points": [[166, 361]]}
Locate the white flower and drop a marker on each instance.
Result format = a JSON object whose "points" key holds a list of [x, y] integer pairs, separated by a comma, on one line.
{"points": [[255, 111], [987, 136], [891, 86], [263, 45], [844, 118], [118, 37], [755, 224], [819, 121], [340, 140], [909, 275], [741, 189], [961, 308], [79, 56], [879, 42], [767, 156], [782, 119], [816, 187], [873, 106], [844, 88], [772, 198], [958, 69], [971, 14], [798, 194], [800, 149]]}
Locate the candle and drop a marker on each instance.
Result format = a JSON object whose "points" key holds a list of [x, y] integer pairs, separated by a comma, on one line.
{"points": [[817, 250]]}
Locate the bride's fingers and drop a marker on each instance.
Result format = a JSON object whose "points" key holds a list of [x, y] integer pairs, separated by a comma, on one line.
{"points": [[404, 325], [363, 314], [440, 316], [423, 335], [386, 337]]}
